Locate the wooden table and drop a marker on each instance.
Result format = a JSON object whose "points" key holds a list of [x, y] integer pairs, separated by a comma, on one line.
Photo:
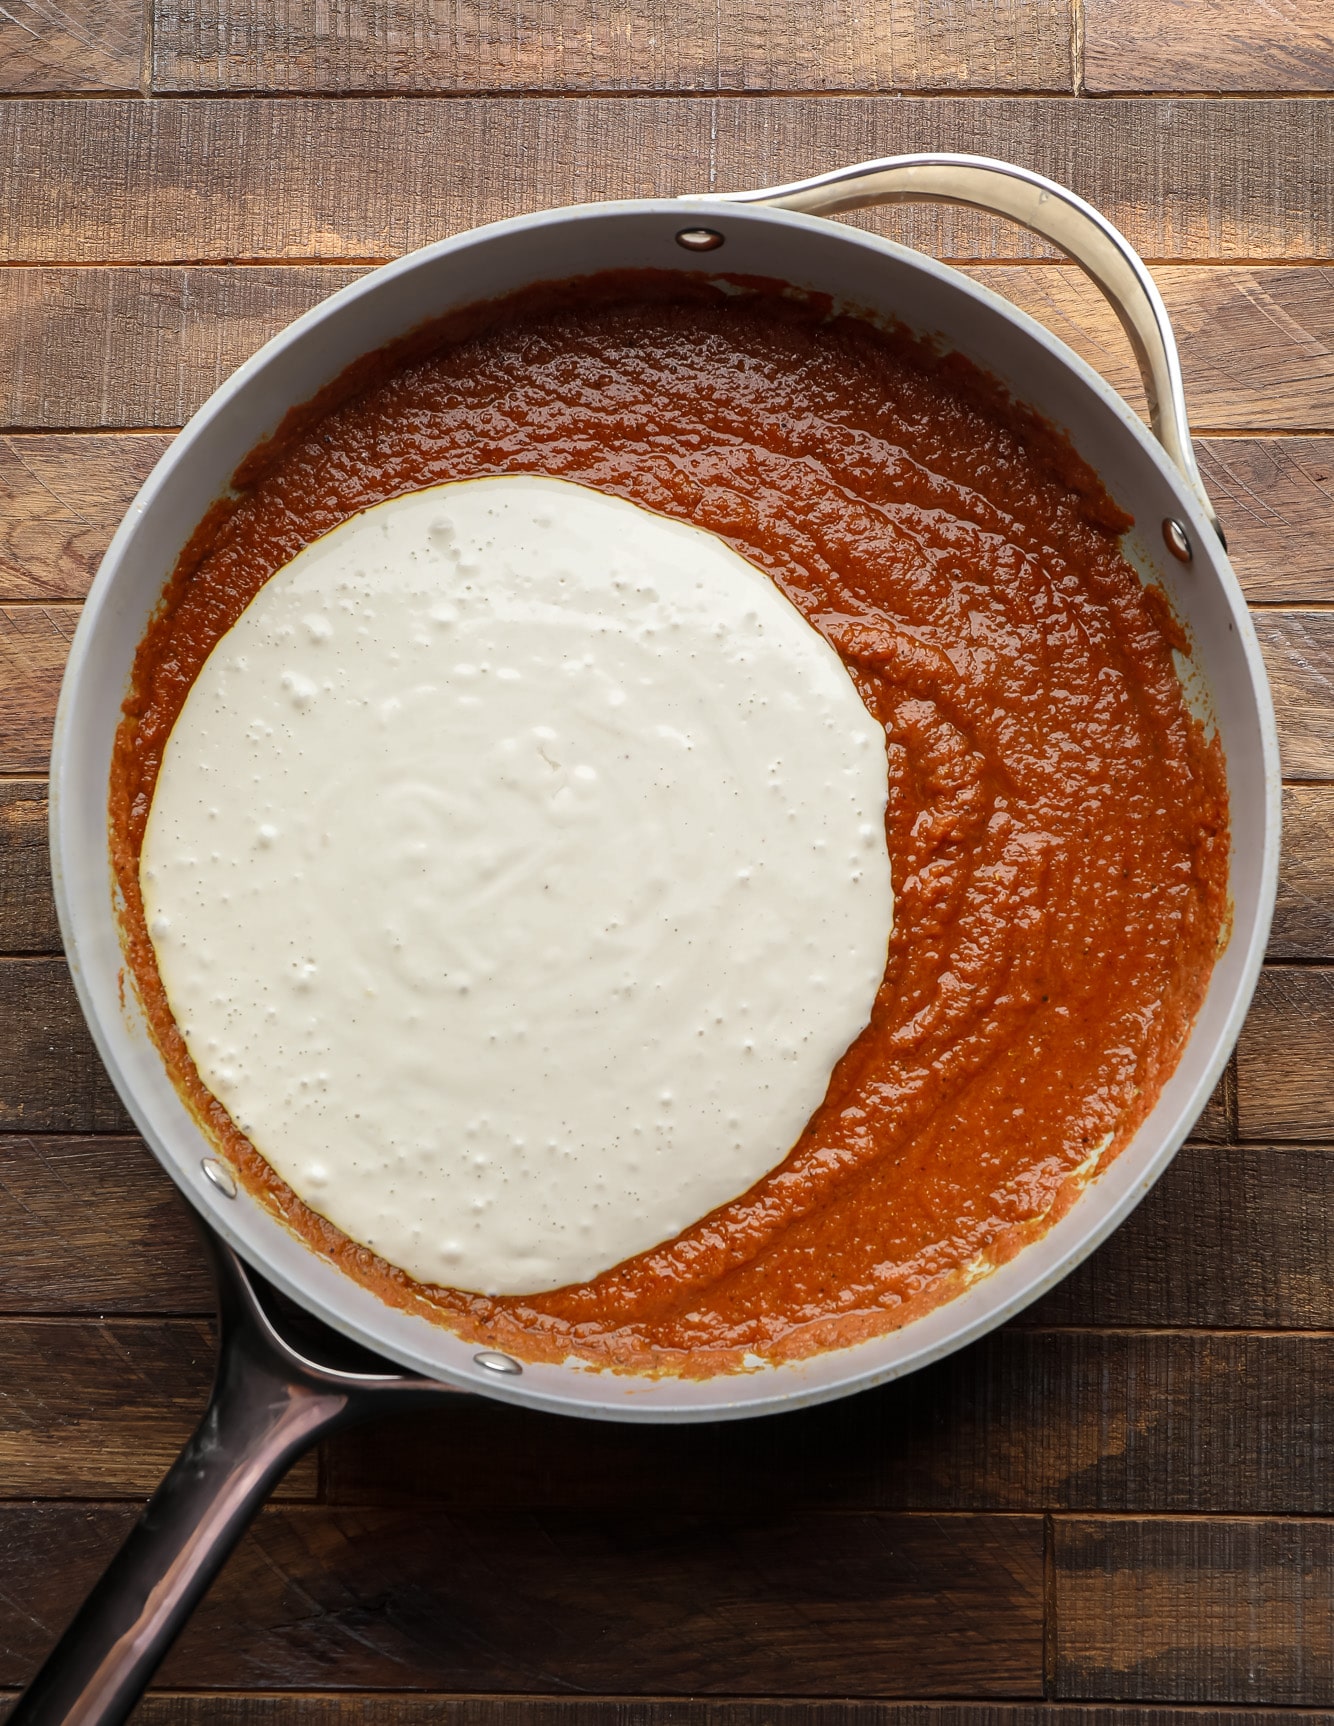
{"points": [[1125, 1498]]}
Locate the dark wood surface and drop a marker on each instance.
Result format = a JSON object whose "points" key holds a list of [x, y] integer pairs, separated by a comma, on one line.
{"points": [[580, 45], [1118, 1511], [92, 347]]}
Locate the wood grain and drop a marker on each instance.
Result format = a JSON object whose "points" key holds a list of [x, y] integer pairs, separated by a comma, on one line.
{"points": [[27, 909], [61, 499], [1257, 345], [1195, 1611], [1275, 497], [501, 1601], [63, 495], [349, 1708], [50, 1077], [216, 181], [1143, 1422], [1285, 1058], [95, 1226], [655, 45], [34, 642], [71, 45], [1207, 45], [1303, 925], [100, 1410], [1217, 1122], [105, 348], [47, 1051], [1298, 649], [129, 347], [1233, 1235]]}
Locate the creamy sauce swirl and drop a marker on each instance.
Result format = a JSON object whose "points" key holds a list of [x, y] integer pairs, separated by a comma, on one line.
{"points": [[517, 875]]}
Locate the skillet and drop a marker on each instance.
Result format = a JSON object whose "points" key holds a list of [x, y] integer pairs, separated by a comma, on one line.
{"points": [[302, 1349]]}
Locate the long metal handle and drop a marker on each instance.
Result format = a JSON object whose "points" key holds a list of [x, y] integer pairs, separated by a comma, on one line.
{"points": [[269, 1404], [1046, 209]]}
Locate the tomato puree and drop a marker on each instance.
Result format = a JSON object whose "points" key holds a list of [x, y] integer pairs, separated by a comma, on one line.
{"points": [[1057, 818]]}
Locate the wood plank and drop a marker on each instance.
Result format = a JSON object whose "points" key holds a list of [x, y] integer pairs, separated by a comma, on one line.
{"points": [[71, 46], [1207, 45], [1217, 1122], [1276, 496], [131, 347], [61, 499], [1257, 345], [105, 348], [1298, 648], [1024, 1421], [34, 641], [62, 496], [215, 181], [1233, 1421], [100, 1410], [350, 1708], [1232, 1236], [656, 45], [95, 1226], [1285, 1058], [51, 1079], [1303, 922], [507, 1602], [27, 910], [1304, 912], [1194, 1611], [1156, 1422]]}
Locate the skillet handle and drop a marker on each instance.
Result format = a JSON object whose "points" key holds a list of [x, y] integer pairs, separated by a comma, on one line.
{"points": [[1054, 213], [269, 1404]]}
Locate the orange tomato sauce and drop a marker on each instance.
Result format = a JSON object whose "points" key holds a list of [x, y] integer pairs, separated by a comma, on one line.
{"points": [[1057, 819]]}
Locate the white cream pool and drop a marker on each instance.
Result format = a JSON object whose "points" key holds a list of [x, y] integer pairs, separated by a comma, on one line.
{"points": [[517, 875]]}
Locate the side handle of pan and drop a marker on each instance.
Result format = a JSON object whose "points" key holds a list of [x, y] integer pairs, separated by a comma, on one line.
{"points": [[269, 1404], [1054, 213]]}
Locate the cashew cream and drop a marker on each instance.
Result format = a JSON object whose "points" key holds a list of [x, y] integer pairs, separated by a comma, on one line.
{"points": [[517, 874]]}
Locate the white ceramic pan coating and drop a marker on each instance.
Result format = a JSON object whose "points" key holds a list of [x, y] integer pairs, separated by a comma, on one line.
{"points": [[1174, 543]]}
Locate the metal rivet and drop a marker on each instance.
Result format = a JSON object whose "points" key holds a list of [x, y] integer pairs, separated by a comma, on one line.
{"points": [[498, 1363], [699, 239], [221, 1176], [1177, 540]]}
